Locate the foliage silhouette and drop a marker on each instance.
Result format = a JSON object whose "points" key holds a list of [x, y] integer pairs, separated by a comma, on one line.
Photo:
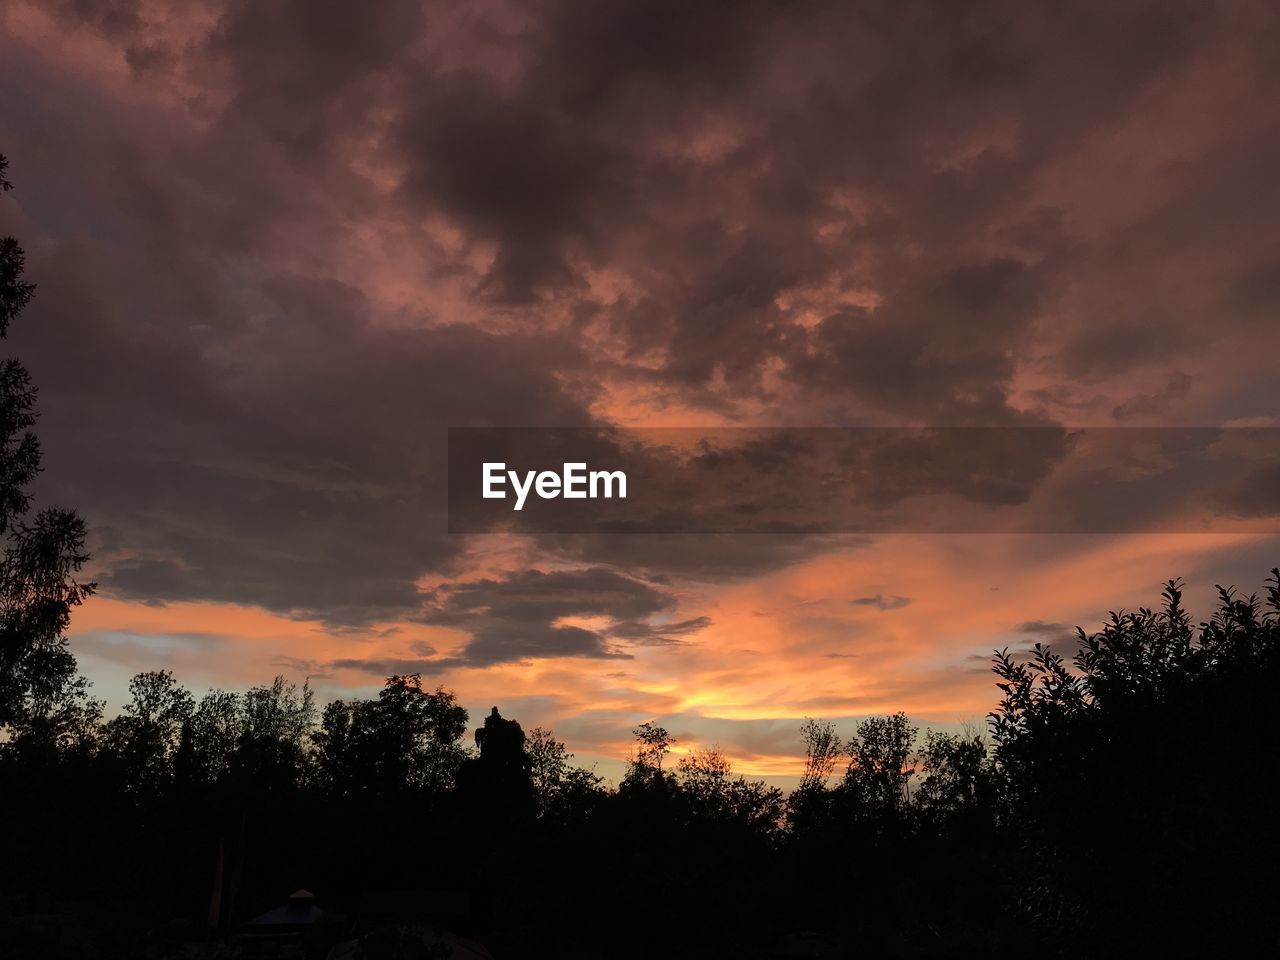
{"points": [[44, 704], [1112, 790], [1134, 778]]}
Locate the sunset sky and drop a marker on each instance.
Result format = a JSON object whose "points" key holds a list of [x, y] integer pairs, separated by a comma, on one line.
{"points": [[281, 247]]}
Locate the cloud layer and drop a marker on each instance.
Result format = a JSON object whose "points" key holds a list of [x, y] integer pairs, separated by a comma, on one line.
{"points": [[281, 247]]}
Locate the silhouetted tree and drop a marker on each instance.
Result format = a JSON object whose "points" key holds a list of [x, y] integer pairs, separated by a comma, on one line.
{"points": [[810, 802], [879, 773], [276, 723], [644, 769], [405, 740], [713, 793], [41, 695], [548, 764], [213, 733], [563, 792], [146, 735], [1128, 780], [955, 771], [823, 750]]}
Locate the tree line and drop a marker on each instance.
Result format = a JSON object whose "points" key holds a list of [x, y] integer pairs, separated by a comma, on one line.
{"points": [[1121, 802]]}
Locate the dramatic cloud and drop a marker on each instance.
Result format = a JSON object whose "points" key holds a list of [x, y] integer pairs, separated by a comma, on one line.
{"points": [[517, 617], [662, 633], [282, 247]]}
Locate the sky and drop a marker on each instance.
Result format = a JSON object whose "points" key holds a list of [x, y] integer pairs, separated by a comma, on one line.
{"points": [[281, 248]]}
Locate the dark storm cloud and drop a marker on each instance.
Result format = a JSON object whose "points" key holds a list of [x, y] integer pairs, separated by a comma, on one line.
{"points": [[659, 633], [548, 168], [943, 351], [112, 18], [501, 641], [707, 557], [509, 174], [304, 475], [306, 72], [516, 617], [838, 212], [569, 159], [535, 595]]}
